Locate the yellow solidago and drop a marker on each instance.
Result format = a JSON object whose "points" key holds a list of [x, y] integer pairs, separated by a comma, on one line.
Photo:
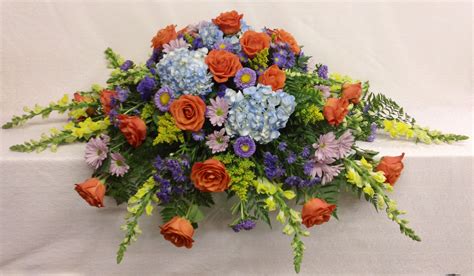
{"points": [[397, 128], [168, 132], [147, 111], [260, 60], [311, 115], [241, 172]]}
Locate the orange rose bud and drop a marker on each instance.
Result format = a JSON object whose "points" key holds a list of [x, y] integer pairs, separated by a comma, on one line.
{"points": [[223, 64], [228, 22], [164, 36], [179, 232], [352, 92], [274, 77], [392, 167], [284, 36], [253, 42], [188, 112], [335, 110], [210, 176], [86, 99], [106, 98], [92, 191], [133, 128], [316, 211]]}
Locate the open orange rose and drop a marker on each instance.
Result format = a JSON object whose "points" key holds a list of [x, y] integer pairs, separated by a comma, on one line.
{"points": [[133, 128], [223, 64], [228, 22], [210, 176], [164, 36], [284, 36], [253, 42], [178, 231], [335, 110], [92, 191], [106, 98], [188, 112], [316, 211], [352, 92], [274, 77], [392, 167]]}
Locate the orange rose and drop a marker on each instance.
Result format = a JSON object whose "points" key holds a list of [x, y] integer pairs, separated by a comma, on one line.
{"points": [[133, 128], [316, 211], [274, 77], [228, 22], [106, 98], [335, 110], [252, 42], [284, 36], [223, 64], [178, 231], [188, 112], [86, 99], [392, 167], [352, 92], [164, 36], [210, 176], [92, 191]]}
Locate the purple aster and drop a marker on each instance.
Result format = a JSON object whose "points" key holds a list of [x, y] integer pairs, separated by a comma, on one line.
{"points": [[223, 45], [243, 58], [282, 55], [345, 142], [245, 77], [175, 44], [291, 158], [96, 152], [122, 93], [146, 87], [217, 141], [126, 65], [244, 147], [323, 72], [198, 136], [118, 167], [217, 111], [282, 146], [325, 90], [163, 98], [327, 147]]}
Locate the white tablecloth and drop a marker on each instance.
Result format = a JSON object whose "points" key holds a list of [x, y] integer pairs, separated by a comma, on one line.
{"points": [[418, 53]]}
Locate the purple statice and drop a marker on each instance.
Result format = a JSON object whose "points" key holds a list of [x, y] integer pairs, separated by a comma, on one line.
{"points": [[151, 62], [221, 90], [293, 181], [247, 224], [373, 132], [273, 168], [344, 143], [282, 55], [96, 152], [198, 136], [197, 43], [282, 146], [217, 111], [307, 183], [366, 108], [291, 158], [322, 169], [164, 192], [175, 44], [217, 141], [159, 164], [327, 147], [118, 167], [244, 147], [325, 90], [223, 44], [163, 98], [245, 78], [146, 87], [174, 167], [126, 65], [305, 153], [122, 93], [171, 177], [323, 71]]}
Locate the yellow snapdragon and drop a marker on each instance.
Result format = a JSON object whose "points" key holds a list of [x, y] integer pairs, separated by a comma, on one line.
{"points": [[397, 128]]}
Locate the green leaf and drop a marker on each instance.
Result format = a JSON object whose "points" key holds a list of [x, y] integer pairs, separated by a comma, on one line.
{"points": [[195, 214]]}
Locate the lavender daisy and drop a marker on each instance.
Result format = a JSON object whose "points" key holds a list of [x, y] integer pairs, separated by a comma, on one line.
{"points": [[163, 98], [96, 152], [327, 147], [322, 169], [118, 167], [244, 147], [218, 141], [345, 142], [245, 78], [325, 90], [217, 111], [198, 136], [175, 44]]}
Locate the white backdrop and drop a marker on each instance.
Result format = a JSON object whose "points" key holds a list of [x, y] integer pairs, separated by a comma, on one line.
{"points": [[419, 53]]}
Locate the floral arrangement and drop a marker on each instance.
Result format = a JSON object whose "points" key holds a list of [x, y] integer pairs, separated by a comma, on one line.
{"points": [[222, 108]]}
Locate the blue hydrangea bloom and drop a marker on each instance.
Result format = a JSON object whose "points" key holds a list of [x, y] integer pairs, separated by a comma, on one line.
{"points": [[258, 112], [210, 34], [185, 72]]}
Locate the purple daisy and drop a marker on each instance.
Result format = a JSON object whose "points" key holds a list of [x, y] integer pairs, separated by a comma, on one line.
{"points": [[198, 136], [322, 169], [245, 77], [96, 152], [217, 111], [175, 44], [327, 147], [244, 147], [118, 167], [163, 98], [345, 142], [217, 141]]}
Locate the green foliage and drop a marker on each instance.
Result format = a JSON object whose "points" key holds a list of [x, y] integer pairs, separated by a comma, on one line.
{"points": [[114, 60], [241, 171], [168, 132], [301, 63], [260, 60], [382, 107]]}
